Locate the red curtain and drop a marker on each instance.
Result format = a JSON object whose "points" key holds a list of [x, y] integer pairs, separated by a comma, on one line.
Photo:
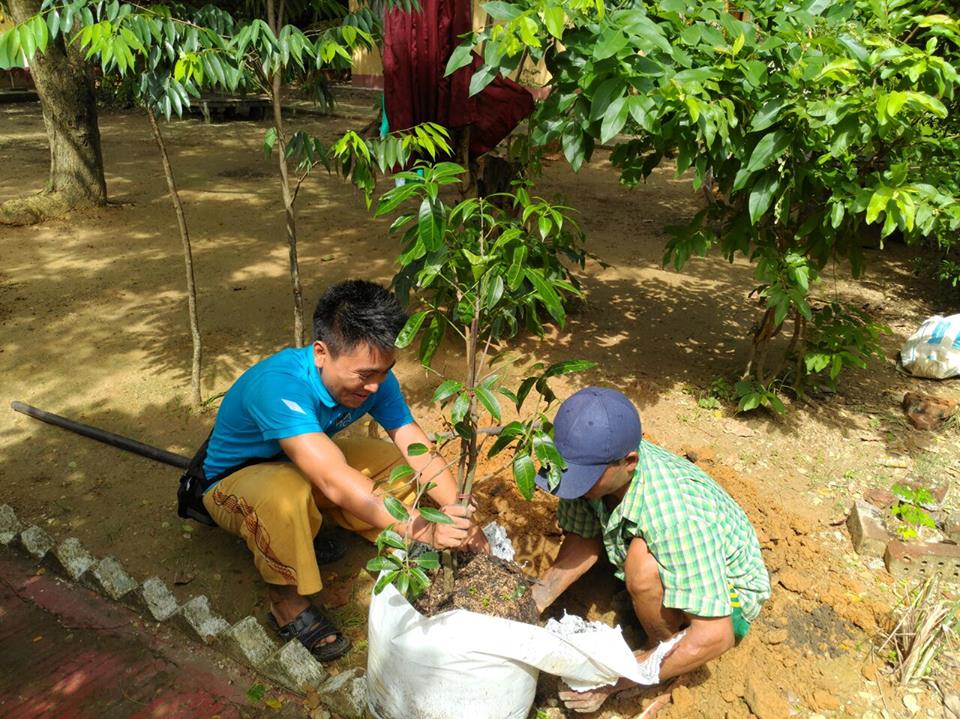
{"points": [[416, 48]]}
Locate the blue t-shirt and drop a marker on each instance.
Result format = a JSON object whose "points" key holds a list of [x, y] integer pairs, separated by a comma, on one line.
{"points": [[283, 396]]}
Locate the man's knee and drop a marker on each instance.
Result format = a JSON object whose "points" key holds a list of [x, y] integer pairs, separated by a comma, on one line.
{"points": [[641, 572]]}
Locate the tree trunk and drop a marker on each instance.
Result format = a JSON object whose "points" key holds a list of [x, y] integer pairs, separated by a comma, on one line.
{"points": [[65, 86], [195, 398], [275, 20]]}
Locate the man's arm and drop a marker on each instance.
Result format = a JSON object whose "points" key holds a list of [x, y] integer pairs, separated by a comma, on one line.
{"points": [[433, 468], [706, 639], [577, 554], [322, 462]]}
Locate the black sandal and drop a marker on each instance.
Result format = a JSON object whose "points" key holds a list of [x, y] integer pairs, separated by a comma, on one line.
{"points": [[311, 626]]}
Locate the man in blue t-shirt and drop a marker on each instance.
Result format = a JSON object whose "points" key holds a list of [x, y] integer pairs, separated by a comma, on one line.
{"points": [[272, 462]]}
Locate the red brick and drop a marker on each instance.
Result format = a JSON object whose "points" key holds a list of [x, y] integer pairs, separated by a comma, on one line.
{"points": [[918, 559]]}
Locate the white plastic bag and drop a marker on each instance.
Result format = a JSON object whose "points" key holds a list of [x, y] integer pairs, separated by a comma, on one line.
{"points": [[934, 349], [466, 665]]}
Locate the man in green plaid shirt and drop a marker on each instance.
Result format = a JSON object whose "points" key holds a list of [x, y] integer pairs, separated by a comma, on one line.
{"points": [[686, 551]]}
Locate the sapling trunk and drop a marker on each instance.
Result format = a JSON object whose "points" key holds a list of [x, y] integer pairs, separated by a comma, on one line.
{"points": [[467, 467], [195, 397], [275, 20]]}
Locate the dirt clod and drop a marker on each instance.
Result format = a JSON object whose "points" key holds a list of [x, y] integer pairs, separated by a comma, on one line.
{"points": [[764, 701]]}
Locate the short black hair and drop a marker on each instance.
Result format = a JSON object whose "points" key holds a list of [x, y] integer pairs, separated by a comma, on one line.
{"points": [[356, 311]]}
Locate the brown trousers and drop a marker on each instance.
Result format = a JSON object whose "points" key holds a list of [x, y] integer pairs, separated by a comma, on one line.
{"points": [[277, 511]]}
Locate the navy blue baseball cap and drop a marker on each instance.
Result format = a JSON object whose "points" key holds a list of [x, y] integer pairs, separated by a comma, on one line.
{"points": [[593, 428]]}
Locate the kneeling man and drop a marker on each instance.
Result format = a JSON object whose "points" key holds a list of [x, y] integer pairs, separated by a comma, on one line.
{"points": [[686, 551]]}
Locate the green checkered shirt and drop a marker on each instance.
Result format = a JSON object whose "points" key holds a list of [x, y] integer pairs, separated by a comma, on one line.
{"points": [[700, 537]]}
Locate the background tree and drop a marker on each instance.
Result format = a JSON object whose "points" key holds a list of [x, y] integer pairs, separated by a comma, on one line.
{"points": [[810, 122], [64, 83]]}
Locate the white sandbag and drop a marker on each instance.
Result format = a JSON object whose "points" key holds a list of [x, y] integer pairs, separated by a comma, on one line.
{"points": [[466, 665], [934, 349]]}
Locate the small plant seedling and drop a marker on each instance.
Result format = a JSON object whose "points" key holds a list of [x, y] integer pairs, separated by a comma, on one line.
{"points": [[909, 510], [256, 692]]}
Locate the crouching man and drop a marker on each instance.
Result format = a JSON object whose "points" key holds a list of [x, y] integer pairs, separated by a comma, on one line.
{"points": [[272, 462], [686, 551]]}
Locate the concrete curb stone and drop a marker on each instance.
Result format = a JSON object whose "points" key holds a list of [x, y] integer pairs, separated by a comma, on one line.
{"points": [[74, 558], [294, 667], [9, 524], [37, 542], [157, 599], [112, 579], [197, 616], [248, 642], [346, 694]]}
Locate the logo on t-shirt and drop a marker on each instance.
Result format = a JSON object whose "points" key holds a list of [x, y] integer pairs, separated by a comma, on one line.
{"points": [[293, 406], [344, 420]]}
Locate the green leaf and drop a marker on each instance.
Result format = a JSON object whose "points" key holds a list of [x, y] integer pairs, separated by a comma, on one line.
{"points": [[417, 449], [749, 402], [396, 509], [767, 115], [446, 390], [524, 390], [515, 272], [460, 57], [410, 329], [614, 119], [380, 564], [489, 400], [28, 40], [269, 138], [546, 295], [761, 195], [428, 560], [555, 19], [494, 292], [389, 538], [770, 147], [429, 225], [610, 43], [430, 341], [400, 473], [776, 404], [53, 23], [568, 367], [878, 203], [480, 80], [460, 408], [435, 516], [524, 473], [507, 435], [501, 10], [386, 579]]}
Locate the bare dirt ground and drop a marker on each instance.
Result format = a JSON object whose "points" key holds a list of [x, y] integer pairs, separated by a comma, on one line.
{"points": [[93, 326]]}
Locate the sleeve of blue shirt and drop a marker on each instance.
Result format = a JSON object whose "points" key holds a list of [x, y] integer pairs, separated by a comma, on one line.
{"points": [[282, 406], [389, 408]]}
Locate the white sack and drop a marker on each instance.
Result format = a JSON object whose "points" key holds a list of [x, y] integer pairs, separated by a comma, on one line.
{"points": [[934, 349], [471, 666]]}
